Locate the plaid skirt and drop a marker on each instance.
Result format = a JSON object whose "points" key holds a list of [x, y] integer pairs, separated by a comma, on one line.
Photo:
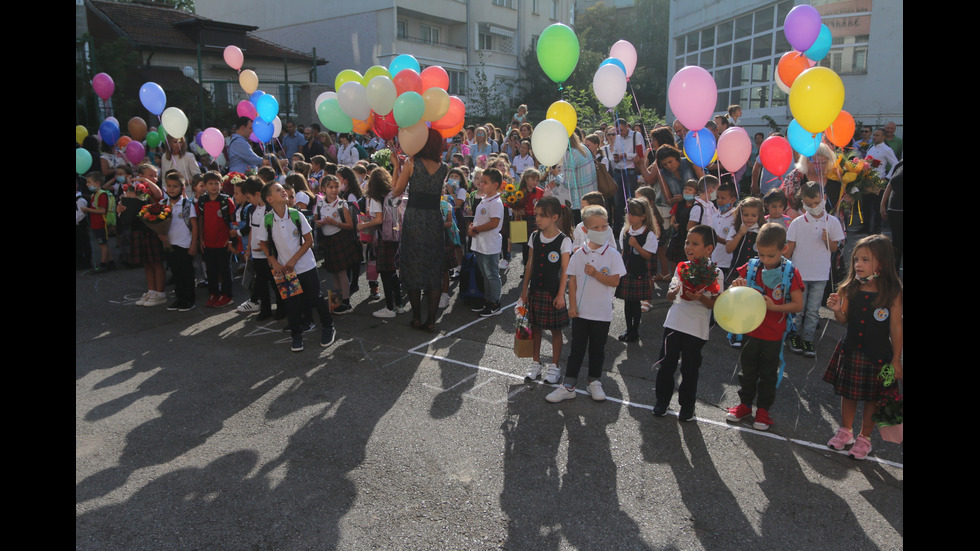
{"points": [[386, 253], [450, 260], [855, 375], [541, 311], [339, 252], [145, 248], [634, 288]]}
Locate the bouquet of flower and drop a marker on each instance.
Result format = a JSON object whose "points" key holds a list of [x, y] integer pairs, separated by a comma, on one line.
{"points": [[234, 177], [858, 177], [890, 415], [140, 190], [157, 217], [699, 276], [523, 343], [382, 158], [511, 195]]}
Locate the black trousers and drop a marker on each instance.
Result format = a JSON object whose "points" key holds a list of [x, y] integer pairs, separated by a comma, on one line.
{"points": [[677, 344], [309, 298], [218, 264], [182, 268], [586, 335]]}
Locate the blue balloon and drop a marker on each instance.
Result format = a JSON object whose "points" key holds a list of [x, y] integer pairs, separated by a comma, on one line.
{"points": [[109, 132], [614, 61], [255, 96], [267, 107], [700, 147], [153, 97], [262, 130], [804, 142], [821, 46], [403, 62]]}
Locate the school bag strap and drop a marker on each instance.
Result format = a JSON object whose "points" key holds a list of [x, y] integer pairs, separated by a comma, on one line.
{"points": [[787, 273], [294, 215]]}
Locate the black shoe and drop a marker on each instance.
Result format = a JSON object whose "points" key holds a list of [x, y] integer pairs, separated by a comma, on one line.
{"points": [[490, 310], [686, 414], [631, 336], [203, 284], [478, 309], [659, 410], [343, 309], [329, 335], [622, 337], [186, 307], [174, 306], [297, 343]]}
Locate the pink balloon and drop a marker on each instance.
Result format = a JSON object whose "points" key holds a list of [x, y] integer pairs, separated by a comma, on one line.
{"points": [[692, 96], [625, 52], [135, 152], [103, 85], [234, 57], [246, 109], [434, 76], [734, 148], [213, 141], [776, 155], [114, 120]]}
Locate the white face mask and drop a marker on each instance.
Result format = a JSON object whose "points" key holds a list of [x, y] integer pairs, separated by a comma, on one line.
{"points": [[814, 211], [599, 238]]}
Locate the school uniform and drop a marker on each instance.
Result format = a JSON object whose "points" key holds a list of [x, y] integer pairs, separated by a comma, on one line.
{"points": [[635, 285], [179, 258], [545, 281], [339, 250]]}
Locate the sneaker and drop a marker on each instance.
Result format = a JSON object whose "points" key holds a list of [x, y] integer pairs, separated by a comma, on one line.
{"points": [[186, 307], [861, 447], [551, 374], [535, 371], [173, 306], [560, 393], [762, 420], [384, 313], [210, 302], [155, 299], [686, 415], [223, 300], [306, 329], [343, 309], [490, 310], [503, 264], [808, 350], [796, 343], [738, 413], [402, 309], [630, 336], [203, 284], [478, 309], [444, 300], [595, 390], [660, 410], [142, 299], [247, 307], [734, 342], [840, 440], [297, 343], [328, 336], [375, 294]]}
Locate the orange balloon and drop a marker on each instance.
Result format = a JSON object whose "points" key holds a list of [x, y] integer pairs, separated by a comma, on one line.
{"points": [[450, 132], [454, 117], [841, 131], [790, 66], [435, 77], [363, 127], [407, 80], [123, 142]]}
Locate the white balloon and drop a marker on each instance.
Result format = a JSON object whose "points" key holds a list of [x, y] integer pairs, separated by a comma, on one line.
{"points": [[276, 127], [381, 94], [779, 82], [353, 100], [550, 140], [322, 97], [174, 121], [609, 85], [625, 52]]}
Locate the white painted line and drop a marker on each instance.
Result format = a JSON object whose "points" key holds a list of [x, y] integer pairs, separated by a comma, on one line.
{"points": [[458, 329]]}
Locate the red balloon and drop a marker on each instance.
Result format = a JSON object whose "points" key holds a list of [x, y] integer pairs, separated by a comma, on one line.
{"points": [[246, 109], [408, 80], [435, 77], [790, 65], [385, 126], [454, 117], [776, 155]]}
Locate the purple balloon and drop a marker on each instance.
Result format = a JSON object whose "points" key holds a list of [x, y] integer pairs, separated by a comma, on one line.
{"points": [[246, 109], [135, 152], [255, 96], [103, 85], [197, 139], [802, 27]]}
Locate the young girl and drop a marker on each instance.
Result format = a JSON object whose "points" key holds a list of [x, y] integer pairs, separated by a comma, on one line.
{"points": [[748, 213], [543, 290], [453, 251], [870, 303], [524, 209], [775, 202], [350, 190], [336, 221], [650, 194], [686, 328], [680, 214], [379, 186], [639, 244], [182, 246]]}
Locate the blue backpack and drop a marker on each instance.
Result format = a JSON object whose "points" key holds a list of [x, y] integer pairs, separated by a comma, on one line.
{"points": [[787, 281]]}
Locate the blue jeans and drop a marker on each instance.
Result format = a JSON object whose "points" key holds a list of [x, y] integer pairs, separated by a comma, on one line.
{"points": [[489, 265], [806, 321]]}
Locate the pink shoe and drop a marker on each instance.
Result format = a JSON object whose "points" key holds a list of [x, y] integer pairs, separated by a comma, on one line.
{"points": [[861, 448], [843, 438]]}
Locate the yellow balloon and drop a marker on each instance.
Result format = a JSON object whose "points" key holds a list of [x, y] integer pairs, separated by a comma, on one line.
{"points": [[347, 75], [249, 81], [436, 104], [563, 112], [740, 310], [816, 98], [80, 134]]}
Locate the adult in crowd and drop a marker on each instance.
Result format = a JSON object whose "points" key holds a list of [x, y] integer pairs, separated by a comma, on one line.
{"points": [[623, 151], [292, 141], [240, 154], [176, 157], [892, 140], [329, 147], [811, 170], [312, 147], [892, 209], [482, 144], [347, 152], [764, 181], [580, 176], [674, 171], [870, 202]]}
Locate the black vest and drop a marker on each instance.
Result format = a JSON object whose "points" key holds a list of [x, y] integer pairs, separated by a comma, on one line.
{"points": [[545, 273], [636, 265]]}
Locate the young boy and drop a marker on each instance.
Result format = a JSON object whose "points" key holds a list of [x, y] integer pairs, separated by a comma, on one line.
{"points": [[485, 231], [252, 190], [579, 238], [98, 228], [183, 245], [812, 238], [724, 226], [593, 273], [762, 349], [215, 233], [776, 203]]}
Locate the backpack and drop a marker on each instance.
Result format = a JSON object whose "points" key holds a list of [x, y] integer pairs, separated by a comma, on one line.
{"points": [[223, 202], [787, 268], [294, 215], [470, 281], [110, 210], [393, 212]]}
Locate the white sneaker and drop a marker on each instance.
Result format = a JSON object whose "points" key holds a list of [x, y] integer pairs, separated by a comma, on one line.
{"points": [[503, 264], [142, 299], [384, 313], [444, 300], [551, 374], [560, 393], [535, 371], [402, 309], [595, 389], [247, 307], [155, 299]]}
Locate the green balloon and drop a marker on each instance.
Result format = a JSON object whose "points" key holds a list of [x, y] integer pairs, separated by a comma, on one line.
{"points": [[408, 109], [333, 117], [83, 160], [558, 51], [374, 71], [153, 139]]}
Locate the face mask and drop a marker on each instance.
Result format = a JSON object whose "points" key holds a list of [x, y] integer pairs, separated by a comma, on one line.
{"points": [[688, 197], [814, 211], [120, 179], [866, 279], [713, 195], [599, 238], [725, 208], [772, 278], [92, 188]]}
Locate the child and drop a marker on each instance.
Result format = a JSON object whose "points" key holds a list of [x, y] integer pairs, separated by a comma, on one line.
{"points": [[524, 209], [870, 303], [775, 202], [336, 220], [524, 161], [680, 215], [182, 242], [762, 354], [521, 116], [451, 257], [384, 251], [98, 226], [215, 232], [650, 194], [485, 231], [543, 290], [639, 245], [686, 328], [286, 238], [742, 245], [579, 237], [811, 238], [703, 211], [252, 190], [724, 227], [594, 273]]}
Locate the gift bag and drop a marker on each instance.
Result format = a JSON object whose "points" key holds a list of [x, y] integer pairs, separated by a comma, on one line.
{"points": [[288, 285], [523, 348], [523, 342], [890, 415], [518, 231]]}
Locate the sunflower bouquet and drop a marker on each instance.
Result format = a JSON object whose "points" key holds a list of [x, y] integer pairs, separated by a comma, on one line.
{"points": [[858, 178], [511, 196]]}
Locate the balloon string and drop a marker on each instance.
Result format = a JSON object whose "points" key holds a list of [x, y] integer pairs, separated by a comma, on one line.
{"points": [[632, 93], [622, 154]]}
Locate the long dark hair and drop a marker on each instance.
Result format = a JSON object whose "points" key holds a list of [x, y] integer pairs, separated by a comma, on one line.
{"points": [[552, 206], [889, 284], [347, 174]]}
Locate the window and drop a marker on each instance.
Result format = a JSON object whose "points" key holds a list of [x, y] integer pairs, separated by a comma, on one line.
{"points": [[402, 28], [504, 3], [457, 82], [534, 7], [554, 9], [485, 41], [429, 34]]}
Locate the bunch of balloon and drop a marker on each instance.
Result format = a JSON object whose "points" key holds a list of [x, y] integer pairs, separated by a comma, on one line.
{"points": [[692, 95], [261, 108]]}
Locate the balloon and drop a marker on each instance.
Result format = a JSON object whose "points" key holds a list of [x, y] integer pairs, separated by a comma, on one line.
{"points": [[345, 76], [453, 117], [816, 98], [333, 117], [626, 53], [408, 108], [740, 310], [322, 97], [121, 144], [135, 152], [403, 62], [412, 138], [353, 100], [408, 81], [434, 77], [103, 85], [616, 62], [246, 108], [776, 155], [83, 160], [153, 97], [174, 121], [267, 106], [153, 139], [790, 66], [162, 132], [802, 141], [779, 82], [374, 71], [734, 148], [254, 96], [436, 104], [234, 57], [109, 132], [249, 81], [802, 26], [80, 134], [821, 46], [263, 130], [450, 132], [692, 96], [381, 94], [550, 141], [213, 142], [276, 126], [564, 112], [699, 146], [137, 128], [609, 85], [841, 131], [363, 127], [558, 52], [197, 139], [385, 126]]}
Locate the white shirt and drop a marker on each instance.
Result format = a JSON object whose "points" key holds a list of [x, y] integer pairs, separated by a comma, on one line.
{"points": [[179, 234], [703, 212], [650, 245], [811, 255], [488, 242], [80, 203], [288, 240], [690, 316], [522, 163], [256, 219], [724, 226], [626, 147], [331, 210], [887, 157], [595, 299], [347, 155]]}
